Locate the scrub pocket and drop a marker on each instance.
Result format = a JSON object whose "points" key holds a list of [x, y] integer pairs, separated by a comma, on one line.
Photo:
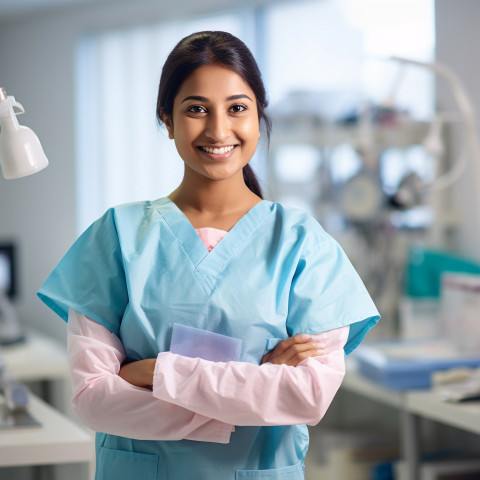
{"points": [[123, 465], [294, 472]]}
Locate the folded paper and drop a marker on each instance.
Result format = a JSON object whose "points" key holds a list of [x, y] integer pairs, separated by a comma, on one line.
{"points": [[195, 342]]}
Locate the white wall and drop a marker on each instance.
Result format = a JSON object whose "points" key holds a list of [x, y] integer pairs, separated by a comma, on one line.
{"points": [[458, 38], [37, 67]]}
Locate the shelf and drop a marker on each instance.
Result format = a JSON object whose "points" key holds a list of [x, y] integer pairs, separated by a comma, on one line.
{"points": [[57, 440], [402, 135], [414, 405], [426, 404], [423, 403], [37, 358]]}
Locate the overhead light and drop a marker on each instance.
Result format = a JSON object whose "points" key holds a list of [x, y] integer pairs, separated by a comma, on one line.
{"points": [[21, 153]]}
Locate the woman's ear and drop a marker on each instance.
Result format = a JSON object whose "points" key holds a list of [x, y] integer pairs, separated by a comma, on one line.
{"points": [[167, 120]]}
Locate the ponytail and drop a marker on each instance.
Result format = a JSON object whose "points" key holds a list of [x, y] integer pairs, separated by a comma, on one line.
{"points": [[251, 180]]}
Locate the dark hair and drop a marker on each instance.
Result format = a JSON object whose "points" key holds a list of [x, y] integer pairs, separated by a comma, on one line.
{"points": [[203, 48]]}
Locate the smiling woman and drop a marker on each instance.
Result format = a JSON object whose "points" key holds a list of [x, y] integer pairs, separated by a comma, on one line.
{"points": [[268, 279]]}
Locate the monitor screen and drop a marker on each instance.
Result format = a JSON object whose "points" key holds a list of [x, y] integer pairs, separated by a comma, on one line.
{"points": [[8, 270]]}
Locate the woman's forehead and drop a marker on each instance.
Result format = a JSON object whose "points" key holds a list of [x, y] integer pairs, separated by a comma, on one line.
{"points": [[214, 81]]}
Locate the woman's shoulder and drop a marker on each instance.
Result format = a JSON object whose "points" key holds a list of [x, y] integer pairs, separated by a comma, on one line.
{"points": [[132, 211], [297, 219], [140, 206], [127, 217]]}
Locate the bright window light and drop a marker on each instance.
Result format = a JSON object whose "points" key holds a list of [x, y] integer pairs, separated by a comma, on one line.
{"points": [[296, 163], [122, 153], [340, 45]]}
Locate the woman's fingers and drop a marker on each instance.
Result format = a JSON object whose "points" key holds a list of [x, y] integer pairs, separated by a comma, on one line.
{"points": [[295, 354], [284, 345], [293, 350]]}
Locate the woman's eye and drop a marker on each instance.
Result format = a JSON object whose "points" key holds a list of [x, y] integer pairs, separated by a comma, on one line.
{"points": [[238, 108], [196, 109]]}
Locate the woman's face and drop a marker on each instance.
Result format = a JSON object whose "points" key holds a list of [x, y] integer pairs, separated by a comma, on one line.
{"points": [[214, 123]]}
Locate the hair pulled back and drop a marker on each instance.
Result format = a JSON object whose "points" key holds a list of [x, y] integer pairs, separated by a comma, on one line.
{"points": [[209, 47]]}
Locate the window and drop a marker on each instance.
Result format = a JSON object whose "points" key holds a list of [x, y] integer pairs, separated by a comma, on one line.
{"points": [[123, 155], [341, 47]]}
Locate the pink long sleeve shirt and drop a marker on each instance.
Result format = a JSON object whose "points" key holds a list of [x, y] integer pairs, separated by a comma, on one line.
{"points": [[192, 398]]}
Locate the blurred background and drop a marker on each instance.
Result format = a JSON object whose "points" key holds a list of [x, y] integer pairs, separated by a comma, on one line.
{"points": [[374, 109]]}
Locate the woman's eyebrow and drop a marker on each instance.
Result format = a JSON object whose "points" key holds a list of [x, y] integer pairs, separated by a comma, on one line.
{"points": [[199, 98], [238, 97], [195, 97]]}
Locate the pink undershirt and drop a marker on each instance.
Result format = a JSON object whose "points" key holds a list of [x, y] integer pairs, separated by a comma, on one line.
{"points": [[188, 400]]}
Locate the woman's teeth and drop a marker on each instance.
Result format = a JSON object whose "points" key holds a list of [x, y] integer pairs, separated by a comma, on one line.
{"points": [[220, 150]]}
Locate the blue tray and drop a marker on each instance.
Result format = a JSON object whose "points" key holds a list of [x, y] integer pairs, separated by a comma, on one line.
{"points": [[403, 365]]}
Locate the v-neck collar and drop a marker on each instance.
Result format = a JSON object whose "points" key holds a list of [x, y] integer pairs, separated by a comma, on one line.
{"points": [[209, 264]]}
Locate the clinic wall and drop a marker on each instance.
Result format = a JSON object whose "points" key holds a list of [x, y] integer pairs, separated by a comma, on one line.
{"points": [[38, 211], [457, 40], [37, 64]]}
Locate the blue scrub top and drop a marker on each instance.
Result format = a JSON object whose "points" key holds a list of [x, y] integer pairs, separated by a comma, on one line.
{"points": [[142, 267]]}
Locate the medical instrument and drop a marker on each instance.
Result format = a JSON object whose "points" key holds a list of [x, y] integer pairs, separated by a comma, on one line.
{"points": [[433, 142], [458, 384], [14, 401], [21, 153]]}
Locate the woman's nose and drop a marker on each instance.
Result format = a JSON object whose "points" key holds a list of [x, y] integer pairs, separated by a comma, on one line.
{"points": [[218, 127]]}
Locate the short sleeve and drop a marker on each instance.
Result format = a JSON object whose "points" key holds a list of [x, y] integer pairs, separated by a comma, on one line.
{"points": [[90, 278], [327, 293]]}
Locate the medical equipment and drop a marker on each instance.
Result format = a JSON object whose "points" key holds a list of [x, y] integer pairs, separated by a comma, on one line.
{"points": [[433, 142], [14, 401], [10, 328], [21, 153], [458, 385], [404, 365], [380, 184]]}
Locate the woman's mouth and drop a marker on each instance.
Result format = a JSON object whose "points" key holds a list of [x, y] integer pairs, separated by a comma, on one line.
{"points": [[218, 150]]}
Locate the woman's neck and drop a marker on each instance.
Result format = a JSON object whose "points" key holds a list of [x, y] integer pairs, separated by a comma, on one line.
{"points": [[215, 204]]}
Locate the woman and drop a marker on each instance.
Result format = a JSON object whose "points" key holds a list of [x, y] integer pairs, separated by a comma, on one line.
{"points": [[274, 302]]}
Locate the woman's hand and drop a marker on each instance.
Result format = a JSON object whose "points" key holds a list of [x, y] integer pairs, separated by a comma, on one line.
{"points": [[289, 352], [293, 350], [139, 373]]}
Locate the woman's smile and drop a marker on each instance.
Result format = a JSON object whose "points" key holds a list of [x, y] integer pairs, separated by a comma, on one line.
{"points": [[218, 152]]}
